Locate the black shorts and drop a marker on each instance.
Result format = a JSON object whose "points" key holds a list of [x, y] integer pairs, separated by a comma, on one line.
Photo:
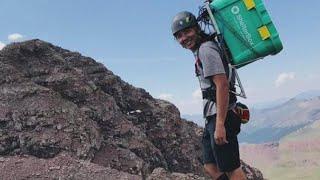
{"points": [[226, 156]]}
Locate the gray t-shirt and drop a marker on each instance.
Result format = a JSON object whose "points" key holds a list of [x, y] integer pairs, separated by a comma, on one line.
{"points": [[208, 55]]}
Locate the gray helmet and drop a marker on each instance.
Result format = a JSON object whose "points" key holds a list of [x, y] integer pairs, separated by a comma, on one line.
{"points": [[182, 21]]}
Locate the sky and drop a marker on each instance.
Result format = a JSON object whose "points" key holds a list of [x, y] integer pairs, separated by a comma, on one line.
{"points": [[133, 39]]}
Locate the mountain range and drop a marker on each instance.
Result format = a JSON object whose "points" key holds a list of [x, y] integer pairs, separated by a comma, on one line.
{"points": [[295, 156], [288, 136], [271, 124]]}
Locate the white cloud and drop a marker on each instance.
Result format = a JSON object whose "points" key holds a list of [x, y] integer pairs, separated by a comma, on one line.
{"points": [[15, 37], [2, 45], [284, 77], [197, 94], [192, 105], [165, 96], [189, 105]]}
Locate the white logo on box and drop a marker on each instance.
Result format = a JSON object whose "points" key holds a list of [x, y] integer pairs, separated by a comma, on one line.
{"points": [[235, 10], [242, 23]]}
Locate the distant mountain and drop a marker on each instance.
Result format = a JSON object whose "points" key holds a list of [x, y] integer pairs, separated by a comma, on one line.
{"points": [[273, 123], [302, 96], [308, 95], [286, 159], [269, 104]]}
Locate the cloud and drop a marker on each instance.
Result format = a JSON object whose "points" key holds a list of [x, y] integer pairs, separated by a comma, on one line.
{"points": [[197, 94], [284, 77], [2, 45], [166, 96], [15, 37], [189, 105], [192, 105]]}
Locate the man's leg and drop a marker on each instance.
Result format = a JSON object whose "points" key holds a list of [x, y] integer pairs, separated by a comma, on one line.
{"points": [[227, 155], [210, 166], [212, 170], [237, 174]]}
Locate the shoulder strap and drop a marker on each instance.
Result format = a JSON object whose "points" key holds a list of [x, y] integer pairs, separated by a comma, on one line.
{"points": [[197, 64], [227, 65]]}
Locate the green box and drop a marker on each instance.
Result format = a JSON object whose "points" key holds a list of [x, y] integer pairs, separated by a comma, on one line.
{"points": [[247, 29]]}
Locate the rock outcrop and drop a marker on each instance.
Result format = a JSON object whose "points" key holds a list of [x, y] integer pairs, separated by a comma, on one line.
{"points": [[57, 104]]}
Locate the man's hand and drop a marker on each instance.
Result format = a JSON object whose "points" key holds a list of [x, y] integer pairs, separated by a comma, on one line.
{"points": [[220, 134]]}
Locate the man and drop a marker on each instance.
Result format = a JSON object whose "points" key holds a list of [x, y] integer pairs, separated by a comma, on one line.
{"points": [[220, 143]]}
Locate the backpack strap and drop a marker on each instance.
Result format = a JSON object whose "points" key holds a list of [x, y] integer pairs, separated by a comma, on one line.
{"points": [[197, 65], [227, 65], [210, 93]]}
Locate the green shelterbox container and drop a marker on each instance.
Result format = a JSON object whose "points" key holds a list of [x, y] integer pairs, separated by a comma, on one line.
{"points": [[247, 29]]}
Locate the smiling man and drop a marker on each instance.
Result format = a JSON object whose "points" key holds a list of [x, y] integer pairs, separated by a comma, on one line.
{"points": [[220, 143]]}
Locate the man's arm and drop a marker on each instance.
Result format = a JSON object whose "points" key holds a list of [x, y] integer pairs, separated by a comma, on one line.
{"points": [[222, 103]]}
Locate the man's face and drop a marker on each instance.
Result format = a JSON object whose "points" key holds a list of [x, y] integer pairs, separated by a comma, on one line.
{"points": [[188, 38]]}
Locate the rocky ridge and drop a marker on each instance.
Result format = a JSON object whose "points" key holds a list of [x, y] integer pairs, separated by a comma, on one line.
{"points": [[62, 109]]}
